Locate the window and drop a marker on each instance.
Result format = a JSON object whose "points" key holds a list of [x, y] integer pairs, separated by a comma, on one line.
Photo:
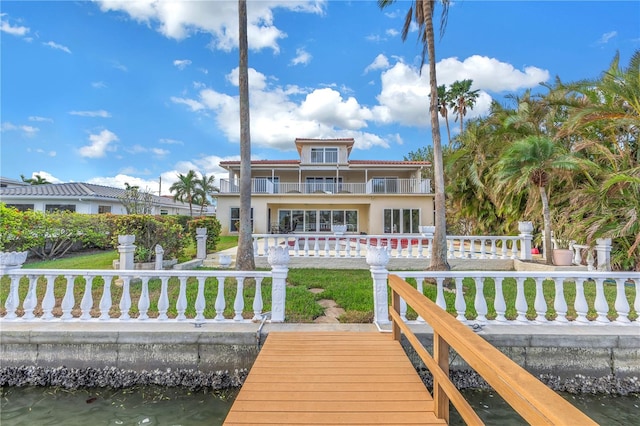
{"points": [[104, 209], [324, 155], [401, 221], [235, 219], [50, 208], [385, 185], [21, 207], [317, 220], [164, 212], [323, 184]]}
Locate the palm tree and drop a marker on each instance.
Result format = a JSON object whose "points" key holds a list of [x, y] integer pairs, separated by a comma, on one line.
{"points": [[35, 180], [462, 98], [205, 188], [444, 98], [244, 257], [185, 189], [531, 163], [421, 12]]}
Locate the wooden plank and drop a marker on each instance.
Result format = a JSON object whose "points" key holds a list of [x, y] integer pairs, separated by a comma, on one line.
{"points": [[332, 378]]}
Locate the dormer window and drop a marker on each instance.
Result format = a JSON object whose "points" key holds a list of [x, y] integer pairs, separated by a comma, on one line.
{"points": [[324, 155]]}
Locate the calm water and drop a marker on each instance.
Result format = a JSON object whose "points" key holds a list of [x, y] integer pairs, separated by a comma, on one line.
{"points": [[175, 406]]}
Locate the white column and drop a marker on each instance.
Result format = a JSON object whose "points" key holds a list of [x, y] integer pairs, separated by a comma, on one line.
{"points": [[159, 257], [603, 250], [279, 260], [126, 248], [201, 243], [378, 258], [526, 237]]}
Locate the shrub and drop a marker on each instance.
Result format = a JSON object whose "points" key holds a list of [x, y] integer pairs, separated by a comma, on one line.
{"points": [[15, 229], [213, 231], [149, 231]]}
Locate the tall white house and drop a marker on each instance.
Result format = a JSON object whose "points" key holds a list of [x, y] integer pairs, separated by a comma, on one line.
{"points": [[324, 187]]}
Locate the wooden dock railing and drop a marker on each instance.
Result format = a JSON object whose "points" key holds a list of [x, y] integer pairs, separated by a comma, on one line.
{"points": [[528, 396]]}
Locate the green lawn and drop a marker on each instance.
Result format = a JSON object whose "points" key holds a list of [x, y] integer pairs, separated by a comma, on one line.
{"points": [[351, 289]]}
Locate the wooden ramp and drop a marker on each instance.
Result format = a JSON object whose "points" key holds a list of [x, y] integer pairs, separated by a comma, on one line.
{"points": [[332, 378]]}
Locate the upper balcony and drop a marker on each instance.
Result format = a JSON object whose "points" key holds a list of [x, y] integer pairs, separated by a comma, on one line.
{"points": [[372, 186]]}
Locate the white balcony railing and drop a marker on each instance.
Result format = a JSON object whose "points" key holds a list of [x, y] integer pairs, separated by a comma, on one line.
{"points": [[395, 186]]}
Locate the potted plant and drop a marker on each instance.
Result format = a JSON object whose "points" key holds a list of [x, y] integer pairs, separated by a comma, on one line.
{"points": [[562, 242]]}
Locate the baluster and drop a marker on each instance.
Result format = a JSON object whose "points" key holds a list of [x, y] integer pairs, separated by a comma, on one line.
{"points": [[306, 246], [440, 301], [265, 248], [451, 249], [560, 303], [12, 302], [359, 248], [590, 260], [163, 301], [621, 303], [403, 310], [347, 247], [257, 300], [480, 302], [68, 300], [316, 246], [521, 301], [499, 303], [514, 249], [143, 301], [336, 247], [200, 301], [255, 246], [125, 299], [326, 246], [462, 249], [181, 303], [429, 247], [238, 304], [577, 254], [420, 249], [504, 249], [581, 306], [483, 248], [220, 302], [409, 248], [105, 300], [473, 254], [87, 298], [296, 249], [461, 305], [540, 305], [31, 300], [494, 250], [420, 288], [600, 304]]}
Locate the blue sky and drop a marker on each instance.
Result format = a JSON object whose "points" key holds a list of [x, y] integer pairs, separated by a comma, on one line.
{"points": [[110, 92]]}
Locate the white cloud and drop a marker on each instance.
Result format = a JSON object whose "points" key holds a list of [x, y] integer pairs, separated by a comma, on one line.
{"points": [[302, 57], [57, 46], [6, 27], [100, 144], [46, 175], [120, 179], [181, 63], [179, 20], [159, 152], [171, 141], [99, 113], [194, 105], [41, 119], [489, 74], [98, 85], [379, 63], [25, 129], [604, 39]]}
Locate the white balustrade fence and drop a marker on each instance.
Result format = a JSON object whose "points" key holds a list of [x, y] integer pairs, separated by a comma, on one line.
{"points": [[164, 295], [398, 245]]}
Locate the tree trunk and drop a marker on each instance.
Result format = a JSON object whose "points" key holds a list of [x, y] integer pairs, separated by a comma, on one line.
{"points": [[244, 256], [439, 251], [546, 216]]}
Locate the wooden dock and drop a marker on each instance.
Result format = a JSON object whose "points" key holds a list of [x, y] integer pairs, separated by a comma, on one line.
{"points": [[331, 378]]}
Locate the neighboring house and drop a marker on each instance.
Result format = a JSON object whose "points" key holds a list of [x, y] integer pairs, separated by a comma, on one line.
{"points": [[324, 188], [80, 197]]}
